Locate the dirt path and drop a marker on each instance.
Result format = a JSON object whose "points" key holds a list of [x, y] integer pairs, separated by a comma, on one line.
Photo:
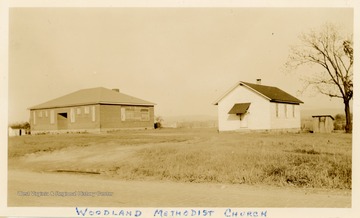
{"points": [[24, 185]]}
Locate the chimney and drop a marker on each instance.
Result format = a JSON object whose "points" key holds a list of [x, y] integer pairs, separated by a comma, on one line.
{"points": [[116, 90], [258, 81]]}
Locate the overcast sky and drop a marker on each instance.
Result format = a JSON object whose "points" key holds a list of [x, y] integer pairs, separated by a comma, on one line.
{"points": [[182, 59]]}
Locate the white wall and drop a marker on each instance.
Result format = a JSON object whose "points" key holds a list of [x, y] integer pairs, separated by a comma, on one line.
{"points": [[258, 116], [285, 120]]}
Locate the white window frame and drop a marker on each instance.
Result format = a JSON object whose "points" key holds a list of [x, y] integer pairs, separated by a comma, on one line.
{"points": [[93, 113], [123, 114], [293, 110], [52, 116], [86, 109], [72, 115], [34, 117]]}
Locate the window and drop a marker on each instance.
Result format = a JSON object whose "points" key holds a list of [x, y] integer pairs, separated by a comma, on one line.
{"points": [[78, 111], [145, 114], [93, 113], [135, 114], [34, 117], [130, 113], [293, 110], [122, 114], [277, 109], [72, 115], [46, 113], [86, 110], [40, 114], [52, 117], [286, 110]]}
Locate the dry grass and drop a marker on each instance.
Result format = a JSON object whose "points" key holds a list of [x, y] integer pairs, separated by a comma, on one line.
{"points": [[27, 144], [203, 155]]}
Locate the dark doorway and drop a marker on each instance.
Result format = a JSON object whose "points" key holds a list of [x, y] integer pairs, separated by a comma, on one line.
{"points": [[62, 121]]}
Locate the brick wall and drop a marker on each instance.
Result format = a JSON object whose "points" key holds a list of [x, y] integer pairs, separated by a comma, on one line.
{"points": [[112, 118], [86, 118], [65, 119]]}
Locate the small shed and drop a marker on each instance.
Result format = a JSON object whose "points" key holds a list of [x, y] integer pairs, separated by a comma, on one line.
{"points": [[323, 123], [18, 131]]}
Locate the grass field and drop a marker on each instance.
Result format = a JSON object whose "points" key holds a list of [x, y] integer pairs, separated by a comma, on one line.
{"points": [[194, 155]]}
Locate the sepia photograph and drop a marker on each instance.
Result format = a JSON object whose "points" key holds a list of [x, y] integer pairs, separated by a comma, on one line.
{"points": [[198, 108]]}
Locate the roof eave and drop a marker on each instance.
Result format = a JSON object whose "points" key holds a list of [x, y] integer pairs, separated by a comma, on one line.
{"points": [[286, 102], [129, 103], [232, 88], [324, 116], [92, 103], [225, 94]]}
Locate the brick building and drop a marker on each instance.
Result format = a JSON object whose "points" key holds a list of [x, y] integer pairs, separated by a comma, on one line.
{"points": [[92, 110]]}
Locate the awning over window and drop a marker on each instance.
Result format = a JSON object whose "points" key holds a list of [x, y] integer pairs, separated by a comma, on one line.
{"points": [[239, 108]]}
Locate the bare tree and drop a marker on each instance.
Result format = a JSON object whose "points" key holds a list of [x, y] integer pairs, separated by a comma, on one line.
{"points": [[333, 54]]}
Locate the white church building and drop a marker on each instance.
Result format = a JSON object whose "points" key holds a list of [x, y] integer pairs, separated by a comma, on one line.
{"points": [[248, 106]]}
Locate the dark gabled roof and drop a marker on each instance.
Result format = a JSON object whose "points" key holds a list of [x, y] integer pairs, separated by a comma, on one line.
{"points": [[239, 108], [273, 93], [98, 95]]}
